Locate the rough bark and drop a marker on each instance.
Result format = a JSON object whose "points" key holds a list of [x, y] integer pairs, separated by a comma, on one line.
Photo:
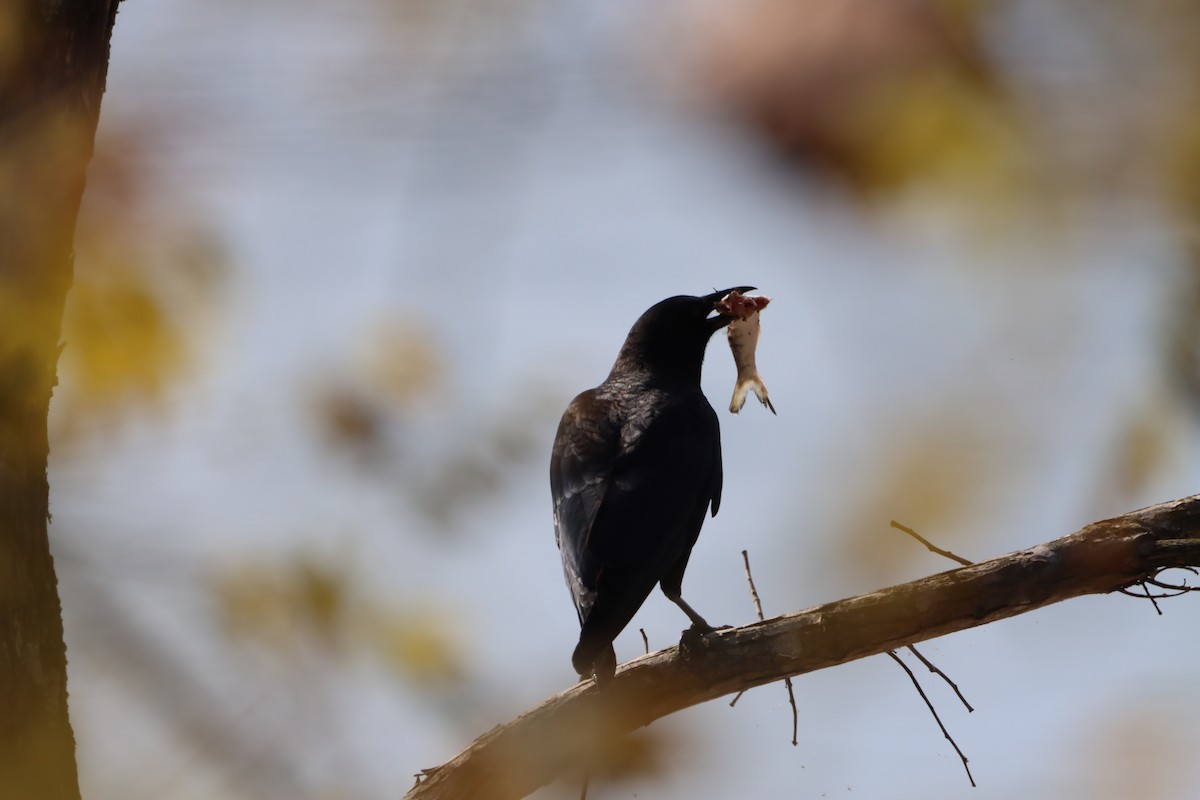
{"points": [[53, 64], [512, 760]]}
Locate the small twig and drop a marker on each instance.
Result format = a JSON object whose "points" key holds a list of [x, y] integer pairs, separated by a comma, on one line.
{"points": [[1142, 595], [936, 671], [753, 591], [1172, 590], [1179, 588], [786, 681], [933, 711], [795, 712], [1150, 597], [932, 547], [645, 641]]}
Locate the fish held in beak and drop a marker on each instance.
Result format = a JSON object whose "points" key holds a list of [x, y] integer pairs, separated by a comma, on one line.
{"points": [[743, 333]]}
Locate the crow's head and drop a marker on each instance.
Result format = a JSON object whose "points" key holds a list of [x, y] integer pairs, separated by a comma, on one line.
{"points": [[670, 337]]}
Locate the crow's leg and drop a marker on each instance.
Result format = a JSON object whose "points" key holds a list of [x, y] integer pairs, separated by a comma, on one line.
{"points": [[672, 587], [673, 594]]}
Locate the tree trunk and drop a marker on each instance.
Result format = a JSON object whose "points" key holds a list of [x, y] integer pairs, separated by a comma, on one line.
{"points": [[53, 64]]}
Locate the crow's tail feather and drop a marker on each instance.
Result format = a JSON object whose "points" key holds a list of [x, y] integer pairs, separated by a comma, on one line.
{"points": [[594, 657]]}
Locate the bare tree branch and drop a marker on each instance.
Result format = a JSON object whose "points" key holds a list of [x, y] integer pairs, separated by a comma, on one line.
{"points": [[565, 731]]}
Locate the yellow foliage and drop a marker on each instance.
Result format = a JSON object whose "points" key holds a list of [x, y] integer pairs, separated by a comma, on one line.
{"points": [[1182, 168], [399, 364], [929, 124], [121, 341], [393, 371], [284, 605], [418, 646], [311, 604], [877, 95]]}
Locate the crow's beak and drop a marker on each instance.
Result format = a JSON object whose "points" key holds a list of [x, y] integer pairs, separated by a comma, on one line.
{"points": [[711, 300], [715, 297]]}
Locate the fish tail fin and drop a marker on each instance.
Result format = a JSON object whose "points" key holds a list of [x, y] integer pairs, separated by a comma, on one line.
{"points": [[760, 390], [742, 387], [739, 396]]}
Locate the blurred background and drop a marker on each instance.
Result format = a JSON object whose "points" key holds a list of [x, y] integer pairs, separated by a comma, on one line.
{"points": [[340, 267]]}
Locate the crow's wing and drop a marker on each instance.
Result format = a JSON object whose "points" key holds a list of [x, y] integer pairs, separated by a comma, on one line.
{"points": [[630, 493], [665, 476], [585, 447]]}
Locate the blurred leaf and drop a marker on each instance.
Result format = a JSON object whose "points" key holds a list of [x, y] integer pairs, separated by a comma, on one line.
{"points": [[121, 340], [1182, 166], [639, 754], [350, 419], [1183, 332], [307, 602], [394, 370], [145, 283], [285, 605], [419, 646], [927, 124], [874, 94], [321, 597], [398, 364], [1144, 447], [483, 464]]}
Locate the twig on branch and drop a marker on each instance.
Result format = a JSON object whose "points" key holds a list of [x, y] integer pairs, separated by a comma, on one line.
{"points": [[932, 547], [757, 610], [645, 640], [1170, 589], [512, 760], [936, 718], [795, 712], [786, 681], [1178, 588], [1144, 595], [1175, 588], [1150, 597], [913, 649], [933, 668], [750, 580]]}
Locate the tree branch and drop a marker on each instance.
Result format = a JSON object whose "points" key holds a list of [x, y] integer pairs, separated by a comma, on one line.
{"points": [[565, 731]]}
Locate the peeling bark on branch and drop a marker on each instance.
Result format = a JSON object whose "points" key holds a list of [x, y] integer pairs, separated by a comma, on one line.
{"points": [[512, 760]]}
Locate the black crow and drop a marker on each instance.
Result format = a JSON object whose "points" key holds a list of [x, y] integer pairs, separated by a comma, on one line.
{"points": [[636, 464]]}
